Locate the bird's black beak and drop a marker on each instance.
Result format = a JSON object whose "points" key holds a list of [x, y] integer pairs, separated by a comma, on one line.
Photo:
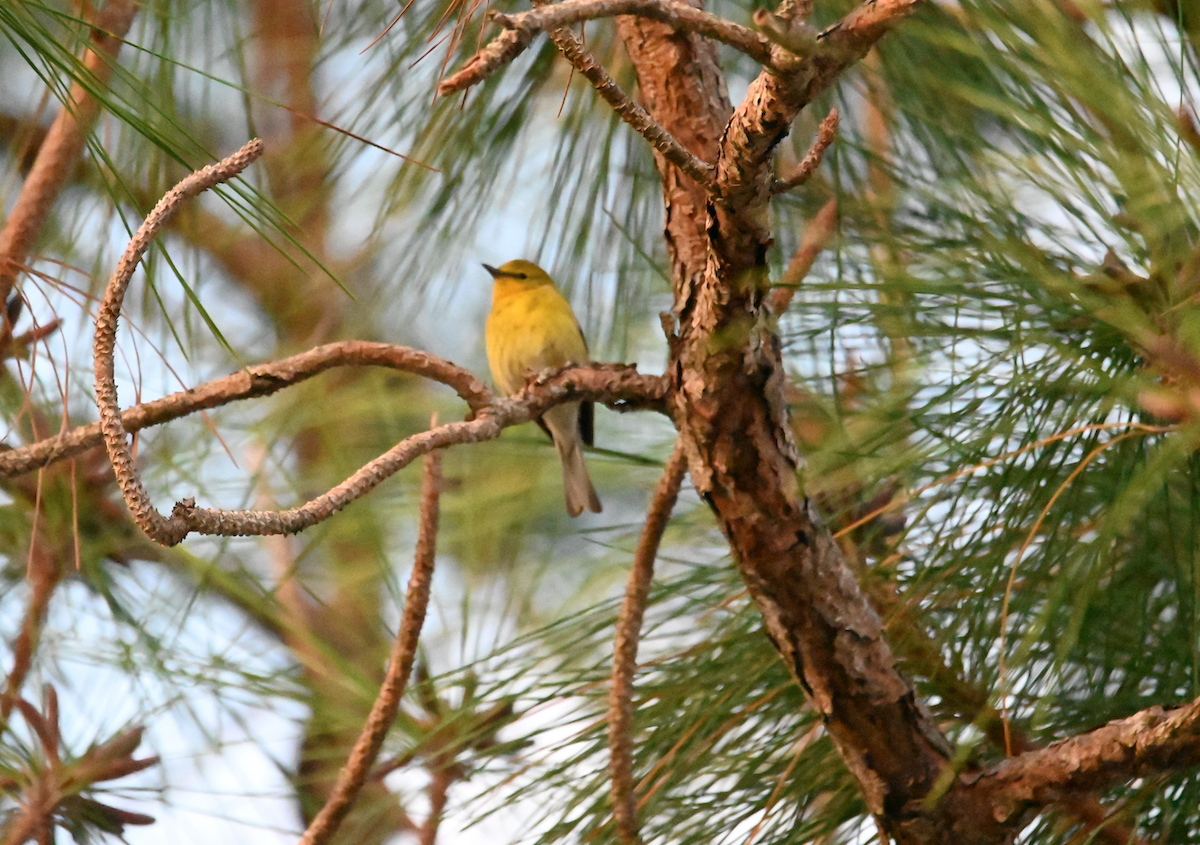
{"points": [[495, 273]]}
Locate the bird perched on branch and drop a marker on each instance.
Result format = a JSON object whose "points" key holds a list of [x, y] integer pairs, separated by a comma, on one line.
{"points": [[532, 327]]}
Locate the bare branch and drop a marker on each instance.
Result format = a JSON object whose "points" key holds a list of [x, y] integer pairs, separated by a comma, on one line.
{"points": [[629, 625], [921, 655], [62, 146], [826, 132], [252, 382], [630, 112], [510, 43], [1151, 742], [106, 329], [817, 234], [383, 713], [680, 16], [520, 30]]}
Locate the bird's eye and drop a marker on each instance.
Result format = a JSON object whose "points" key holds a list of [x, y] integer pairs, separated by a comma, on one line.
{"points": [[521, 275]]}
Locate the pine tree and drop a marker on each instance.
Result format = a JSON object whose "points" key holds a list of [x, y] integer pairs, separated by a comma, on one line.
{"points": [[930, 390]]}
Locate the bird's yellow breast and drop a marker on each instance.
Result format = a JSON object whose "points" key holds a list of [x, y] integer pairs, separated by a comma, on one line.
{"points": [[531, 327]]}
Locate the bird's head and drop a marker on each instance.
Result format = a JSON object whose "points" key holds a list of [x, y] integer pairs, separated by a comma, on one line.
{"points": [[522, 272]]}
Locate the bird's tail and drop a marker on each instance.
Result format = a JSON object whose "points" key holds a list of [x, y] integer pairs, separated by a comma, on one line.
{"points": [[577, 485]]}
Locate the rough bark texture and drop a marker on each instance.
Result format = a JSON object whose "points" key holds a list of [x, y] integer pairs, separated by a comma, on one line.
{"points": [[728, 382]]}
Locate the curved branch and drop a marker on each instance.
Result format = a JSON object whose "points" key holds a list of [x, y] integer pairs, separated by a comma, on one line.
{"points": [[617, 385], [612, 383], [106, 329], [383, 713]]}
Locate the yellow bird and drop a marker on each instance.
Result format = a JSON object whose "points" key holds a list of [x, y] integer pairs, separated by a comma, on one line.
{"points": [[532, 327]]}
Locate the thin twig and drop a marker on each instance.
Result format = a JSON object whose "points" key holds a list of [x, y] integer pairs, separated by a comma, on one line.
{"points": [[62, 146], [817, 234], [439, 792], [808, 165], [511, 42], [637, 117], [44, 575], [383, 713], [629, 625]]}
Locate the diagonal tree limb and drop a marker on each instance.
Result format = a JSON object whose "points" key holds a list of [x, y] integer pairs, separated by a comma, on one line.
{"points": [[510, 43], [61, 147], [817, 235], [727, 378], [383, 713], [629, 625], [921, 655], [637, 117]]}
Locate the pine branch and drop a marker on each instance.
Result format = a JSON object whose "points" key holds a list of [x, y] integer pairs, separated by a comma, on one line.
{"points": [[383, 713], [1152, 742], [520, 30], [629, 625], [637, 117]]}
